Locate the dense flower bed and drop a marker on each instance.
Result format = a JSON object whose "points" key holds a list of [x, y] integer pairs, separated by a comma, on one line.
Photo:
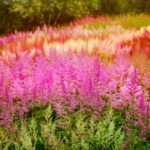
{"points": [[64, 67]]}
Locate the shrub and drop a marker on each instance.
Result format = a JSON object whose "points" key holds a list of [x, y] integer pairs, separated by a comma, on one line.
{"points": [[25, 14]]}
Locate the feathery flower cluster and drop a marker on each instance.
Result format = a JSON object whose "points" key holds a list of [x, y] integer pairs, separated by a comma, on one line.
{"points": [[139, 43]]}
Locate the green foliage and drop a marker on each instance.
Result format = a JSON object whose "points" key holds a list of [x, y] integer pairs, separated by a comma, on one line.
{"points": [[4, 141], [48, 128], [107, 136], [134, 142], [25, 14], [28, 137], [139, 6], [114, 6], [70, 132], [45, 130]]}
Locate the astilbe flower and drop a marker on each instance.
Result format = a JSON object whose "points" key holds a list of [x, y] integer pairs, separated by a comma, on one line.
{"points": [[20, 87], [137, 44], [138, 106], [77, 82], [42, 40], [65, 80], [71, 81], [5, 75], [118, 74], [95, 80], [126, 92]]}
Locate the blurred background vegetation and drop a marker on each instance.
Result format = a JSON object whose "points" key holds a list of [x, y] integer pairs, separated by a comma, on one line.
{"points": [[26, 14]]}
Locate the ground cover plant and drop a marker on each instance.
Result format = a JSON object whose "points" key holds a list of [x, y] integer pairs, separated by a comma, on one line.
{"points": [[75, 87]]}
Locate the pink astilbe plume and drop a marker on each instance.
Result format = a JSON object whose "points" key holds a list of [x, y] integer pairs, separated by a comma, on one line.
{"points": [[138, 113], [78, 82], [65, 80], [117, 93], [126, 92]]}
